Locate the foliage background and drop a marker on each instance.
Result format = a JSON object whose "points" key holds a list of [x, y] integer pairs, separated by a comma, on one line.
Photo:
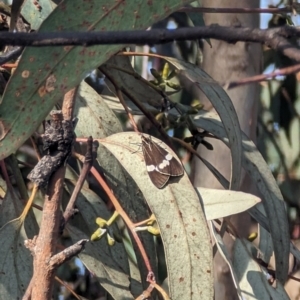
{"points": [[278, 133]]}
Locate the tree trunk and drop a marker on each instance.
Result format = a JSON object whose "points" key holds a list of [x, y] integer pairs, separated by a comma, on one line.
{"points": [[227, 62]]}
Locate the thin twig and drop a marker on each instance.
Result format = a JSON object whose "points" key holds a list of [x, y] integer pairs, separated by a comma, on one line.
{"points": [[148, 37], [65, 255], [87, 164], [68, 287], [69, 103], [132, 121], [238, 10], [122, 213], [275, 38], [263, 77]]}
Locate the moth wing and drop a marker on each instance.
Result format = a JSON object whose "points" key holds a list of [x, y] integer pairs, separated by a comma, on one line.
{"points": [[158, 179], [174, 166], [155, 156]]}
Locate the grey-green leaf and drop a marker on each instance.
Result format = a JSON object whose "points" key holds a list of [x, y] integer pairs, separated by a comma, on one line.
{"points": [[272, 199], [252, 281], [223, 203], [109, 274], [45, 74], [97, 119], [224, 107], [35, 14], [180, 218], [15, 261]]}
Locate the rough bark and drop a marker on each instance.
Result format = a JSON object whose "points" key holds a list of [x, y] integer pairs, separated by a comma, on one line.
{"points": [[227, 62]]}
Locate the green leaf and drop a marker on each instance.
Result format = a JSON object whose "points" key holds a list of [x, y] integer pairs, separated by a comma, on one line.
{"points": [[224, 253], [15, 260], [222, 203], [272, 199], [265, 241], [252, 280], [180, 218], [141, 91], [45, 74], [224, 107], [249, 278], [109, 274], [12, 208], [109, 264], [35, 16], [97, 119]]}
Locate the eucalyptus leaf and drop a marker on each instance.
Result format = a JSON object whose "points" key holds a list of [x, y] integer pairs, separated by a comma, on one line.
{"points": [[97, 119], [109, 274], [180, 219], [272, 199], [224, 107], [135, 86], [45, 74], [15, 260], [252, 280], [224, 253], [12, 208], [35, 14], [222, 203], [91, 207], [265, 240]]}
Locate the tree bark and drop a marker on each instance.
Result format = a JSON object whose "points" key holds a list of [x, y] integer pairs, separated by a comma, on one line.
{"points": [[226, 62]]}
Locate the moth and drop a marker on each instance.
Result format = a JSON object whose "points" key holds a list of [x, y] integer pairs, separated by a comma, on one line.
{"points": [[160, 164]]}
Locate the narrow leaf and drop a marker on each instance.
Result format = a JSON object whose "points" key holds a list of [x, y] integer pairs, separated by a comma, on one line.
{"points": [[35, 12], [222, 203], [180, 218], [224, 107], [272, 199], [45, 74], [15, 261], [143, 92], [97, 119], [109, 274], [252, 281], [224, 253]]}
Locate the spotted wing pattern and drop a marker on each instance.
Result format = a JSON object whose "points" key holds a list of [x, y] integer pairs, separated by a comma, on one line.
{"points": [[160, 163]]}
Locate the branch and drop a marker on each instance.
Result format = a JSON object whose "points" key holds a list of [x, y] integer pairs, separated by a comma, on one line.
{"points": [[87, 164], [238, 10], [150, 37], [263, 77], [61, 257], [275, 38], [46, 243]]}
